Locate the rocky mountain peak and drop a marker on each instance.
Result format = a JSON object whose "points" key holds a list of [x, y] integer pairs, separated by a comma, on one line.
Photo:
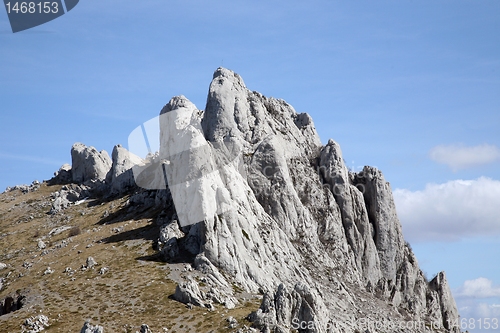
{"points": [[178, 102], [245, 192], [233, 111]]}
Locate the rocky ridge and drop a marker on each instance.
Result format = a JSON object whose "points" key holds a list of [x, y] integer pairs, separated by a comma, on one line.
{"points": [[300, 216], [323, 245]]}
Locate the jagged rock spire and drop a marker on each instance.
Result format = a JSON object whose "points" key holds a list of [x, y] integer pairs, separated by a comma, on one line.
{"points": [[281, 212]]}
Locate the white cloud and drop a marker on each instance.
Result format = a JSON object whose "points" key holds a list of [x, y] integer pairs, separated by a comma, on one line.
{"points": [[462, 157], [450, 211], [478, 305], [476, 314], [479, 288], [485, 310]]}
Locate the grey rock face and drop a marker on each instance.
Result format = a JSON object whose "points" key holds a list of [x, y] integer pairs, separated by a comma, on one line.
{"points": [[88, 164], [296, 219], [382, 215], [262, 206], [290, 310], [360, 231], [93, 168], [121, 177], [89, 328], [439, 285], [197, 190]]}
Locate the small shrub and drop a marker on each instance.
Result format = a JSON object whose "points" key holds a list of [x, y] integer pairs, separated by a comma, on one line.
{"points": [[426, 277], [74, 231]]}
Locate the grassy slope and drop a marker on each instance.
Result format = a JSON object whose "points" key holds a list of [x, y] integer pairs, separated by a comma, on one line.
{"points": [[135, 290]]}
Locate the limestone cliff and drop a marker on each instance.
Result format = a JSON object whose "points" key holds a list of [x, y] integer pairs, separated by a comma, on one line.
{"points": [[281, 215]]}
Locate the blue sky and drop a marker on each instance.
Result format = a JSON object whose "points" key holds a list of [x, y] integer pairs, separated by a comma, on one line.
{"points": [[412, 87]]}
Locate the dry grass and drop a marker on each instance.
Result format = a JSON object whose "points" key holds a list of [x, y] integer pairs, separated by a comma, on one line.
{"points": [[133, 291]]}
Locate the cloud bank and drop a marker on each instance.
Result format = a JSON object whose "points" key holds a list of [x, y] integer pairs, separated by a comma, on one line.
{"points": [[461, 157], [478, 288], [478, 302], [450, 211], [480, 311]]}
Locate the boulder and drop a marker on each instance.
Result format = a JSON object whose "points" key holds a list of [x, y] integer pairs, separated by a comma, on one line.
{"points": [[88, 164], [48, 271], [283, 311], [41, 244], [145, 329], [69, 194], [167, 242], [59, 203], [90, 263], [121, 176], [35, 186], [62, 176], [35, 324], [89, 328], [189, 293]]}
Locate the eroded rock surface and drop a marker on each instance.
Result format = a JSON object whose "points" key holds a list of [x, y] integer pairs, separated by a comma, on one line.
{"points": [[88, 164], [297, 224], [440, 291], [257, 204], [121, 177]]}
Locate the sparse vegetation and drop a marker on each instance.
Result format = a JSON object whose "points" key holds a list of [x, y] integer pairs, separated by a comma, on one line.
{"points": [[135, 290], [75, 231]]}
